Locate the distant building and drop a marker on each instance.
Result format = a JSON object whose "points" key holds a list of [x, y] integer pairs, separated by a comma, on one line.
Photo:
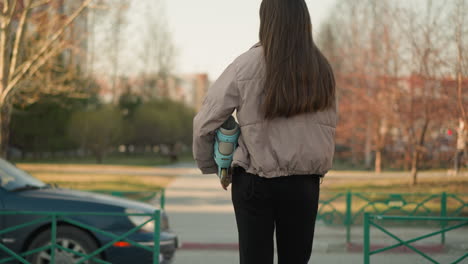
{"points": [[195, 86], [201, 88], [170, 88], [189, 89]]}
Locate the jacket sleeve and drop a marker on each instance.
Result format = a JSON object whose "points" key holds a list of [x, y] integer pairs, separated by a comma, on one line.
{"points": [[220, 102]]}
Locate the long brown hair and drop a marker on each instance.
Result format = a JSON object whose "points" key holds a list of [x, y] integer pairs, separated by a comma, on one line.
{"points": [[298, 78]]}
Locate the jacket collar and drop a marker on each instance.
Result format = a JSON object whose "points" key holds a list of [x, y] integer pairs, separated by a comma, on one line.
{"points": [[256, 45]]}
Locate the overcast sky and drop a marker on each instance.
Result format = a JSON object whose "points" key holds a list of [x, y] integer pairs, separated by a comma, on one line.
{"points": [[210, 34]]}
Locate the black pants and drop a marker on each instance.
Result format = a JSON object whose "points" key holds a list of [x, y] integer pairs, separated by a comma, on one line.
{"points": [[287, 204]]}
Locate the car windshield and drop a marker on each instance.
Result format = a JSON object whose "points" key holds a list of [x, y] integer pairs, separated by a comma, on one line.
{"points": [[12, 178]]}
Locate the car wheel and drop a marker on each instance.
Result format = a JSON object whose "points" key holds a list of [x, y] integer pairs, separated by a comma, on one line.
{"points": [[67, 237]]}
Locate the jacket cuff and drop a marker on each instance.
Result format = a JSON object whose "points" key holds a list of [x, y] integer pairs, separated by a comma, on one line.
{"points": [[210, 170], [207, 166]]}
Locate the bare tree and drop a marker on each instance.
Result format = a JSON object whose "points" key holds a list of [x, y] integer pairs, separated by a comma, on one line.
{"points": [[391, 60], [458, 23], [16, 65], [460, 19], [96, 14], [389, 57], [158, 51], [345, 25], [118, 20], [426, 42], [365, 27]]}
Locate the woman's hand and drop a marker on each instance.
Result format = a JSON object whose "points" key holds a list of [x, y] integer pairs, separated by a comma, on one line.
{"points": [[226, 181]]}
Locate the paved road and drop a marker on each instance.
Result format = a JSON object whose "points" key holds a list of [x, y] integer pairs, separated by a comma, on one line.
{"points": [[202, 215], [230, 257]]}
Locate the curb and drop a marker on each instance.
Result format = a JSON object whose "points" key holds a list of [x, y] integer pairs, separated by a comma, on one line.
{"points": [[209, 246], [436, 248], [318, 247]]}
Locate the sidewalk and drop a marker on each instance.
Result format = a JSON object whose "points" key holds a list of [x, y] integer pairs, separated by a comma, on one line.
{"points": [[231, 257], [201, 213]]}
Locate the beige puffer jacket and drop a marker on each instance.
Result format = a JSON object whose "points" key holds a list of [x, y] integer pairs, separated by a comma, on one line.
{"points": [[299, 145]]}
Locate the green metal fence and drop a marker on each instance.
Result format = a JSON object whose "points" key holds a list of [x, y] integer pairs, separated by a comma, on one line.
{"points": [[369, 221], [143, 196], [53, 218], [348, 209]]}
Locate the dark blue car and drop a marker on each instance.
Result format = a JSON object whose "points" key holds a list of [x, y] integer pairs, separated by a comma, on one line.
{"points": [[20, 191]]}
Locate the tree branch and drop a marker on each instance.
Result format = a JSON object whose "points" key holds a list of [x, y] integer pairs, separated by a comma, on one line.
{"points": [[19, 37], [40, 3], [44, 59], [39, 59], [11, 14]]}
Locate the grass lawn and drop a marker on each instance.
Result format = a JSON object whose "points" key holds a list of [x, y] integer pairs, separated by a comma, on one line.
{"points": [[99, 177], [123, 173], [429, 185], [379, 191], [120, 172]]}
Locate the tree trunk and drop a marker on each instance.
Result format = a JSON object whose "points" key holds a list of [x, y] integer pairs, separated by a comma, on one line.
{"points": [[2, 148], [407, 160], [99, 157], [418, 151], [127, 150], [5, 117], [414, 167], [378, 161], [173, 153], [368, 145], [380, 144], [354, 143]]}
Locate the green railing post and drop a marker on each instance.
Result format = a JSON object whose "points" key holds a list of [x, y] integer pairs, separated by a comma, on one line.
{"points": [[117, 194], [348, 222], [162, 201], [52, 219], [369, 221], [156, 249], [443, 213], [53, 240], [366, 249]]}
